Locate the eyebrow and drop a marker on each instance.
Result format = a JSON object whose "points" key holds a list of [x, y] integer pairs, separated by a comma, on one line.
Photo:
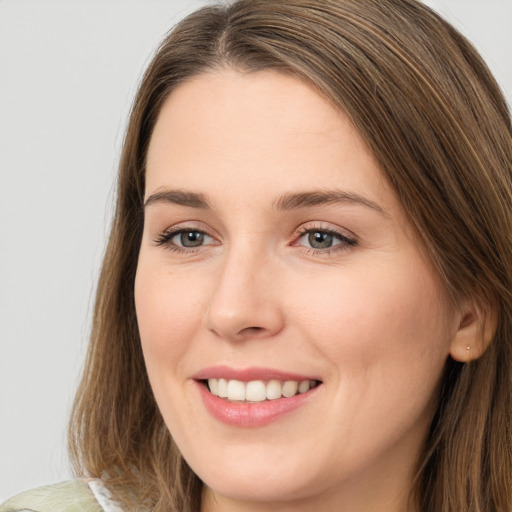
{"points": [[179, 197], [288, 201], [293, 201]]}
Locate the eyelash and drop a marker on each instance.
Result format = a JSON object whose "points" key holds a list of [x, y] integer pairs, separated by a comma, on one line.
{"points": [[345, 241], [164, 240]]}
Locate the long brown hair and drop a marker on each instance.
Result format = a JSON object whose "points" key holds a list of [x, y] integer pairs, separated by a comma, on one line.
{"points": [[434, 117]]}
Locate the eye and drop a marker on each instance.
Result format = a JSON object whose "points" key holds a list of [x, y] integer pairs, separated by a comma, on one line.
{"points": [[183, 239], [320, 239], [190, 238], [324, 240]]}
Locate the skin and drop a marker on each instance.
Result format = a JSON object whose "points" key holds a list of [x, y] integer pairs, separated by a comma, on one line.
{"points": [[368, 318]]}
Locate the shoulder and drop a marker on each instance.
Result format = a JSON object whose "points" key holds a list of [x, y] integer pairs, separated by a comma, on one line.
{"points": [[72, 496]]}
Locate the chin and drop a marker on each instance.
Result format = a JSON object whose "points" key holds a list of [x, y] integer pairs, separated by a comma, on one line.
{"points": [[264, 478], [259, 488]]}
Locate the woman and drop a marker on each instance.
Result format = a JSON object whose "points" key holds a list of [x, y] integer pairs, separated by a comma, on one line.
{"points": [[305, 301]]}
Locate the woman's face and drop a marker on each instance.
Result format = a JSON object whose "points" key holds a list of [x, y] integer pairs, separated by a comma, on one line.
{"points": [[277, 262]]}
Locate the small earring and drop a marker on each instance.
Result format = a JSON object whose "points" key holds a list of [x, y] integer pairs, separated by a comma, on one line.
{"points": [[468, 349]]}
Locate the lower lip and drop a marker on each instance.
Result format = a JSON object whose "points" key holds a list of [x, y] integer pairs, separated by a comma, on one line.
{"points": [[258, 414]]}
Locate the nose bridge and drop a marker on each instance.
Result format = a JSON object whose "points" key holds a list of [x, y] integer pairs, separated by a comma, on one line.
{"points": [[243, 302]]}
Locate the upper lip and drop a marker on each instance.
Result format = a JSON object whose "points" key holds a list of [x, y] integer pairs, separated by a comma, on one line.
{"points": [[249, 374]]}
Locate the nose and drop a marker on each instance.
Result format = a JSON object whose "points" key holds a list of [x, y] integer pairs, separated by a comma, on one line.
{"points": [[245, 302]]}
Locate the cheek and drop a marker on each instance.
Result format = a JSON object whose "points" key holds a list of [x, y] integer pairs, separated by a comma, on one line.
{"points": [[392, 318], [167, 309], [168, 317]]}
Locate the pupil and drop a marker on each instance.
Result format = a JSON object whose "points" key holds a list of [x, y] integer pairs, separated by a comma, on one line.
{"points": [[320, 240], [191, 239]]}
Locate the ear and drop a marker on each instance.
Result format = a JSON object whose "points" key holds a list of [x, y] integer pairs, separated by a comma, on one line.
{"points": [[477, 326]]}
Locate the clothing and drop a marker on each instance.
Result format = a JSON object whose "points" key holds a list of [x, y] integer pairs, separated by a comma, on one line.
{"points": [[84, 495]]}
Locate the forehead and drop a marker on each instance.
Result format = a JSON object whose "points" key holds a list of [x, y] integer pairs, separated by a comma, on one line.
{"points": [[232, 127]]}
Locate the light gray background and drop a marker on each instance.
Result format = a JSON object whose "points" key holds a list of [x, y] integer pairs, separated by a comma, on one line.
{"points": [[68, 72]]}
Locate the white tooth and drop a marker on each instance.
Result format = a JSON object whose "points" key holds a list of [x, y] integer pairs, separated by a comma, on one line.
{"points": [[236, 390], [222, 388], [273, 390], [304, 386], [213, 384], [255, 391], [290, 388]]}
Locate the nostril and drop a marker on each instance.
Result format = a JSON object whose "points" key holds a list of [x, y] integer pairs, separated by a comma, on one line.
{"points": [[248, 332], [252, 329]]}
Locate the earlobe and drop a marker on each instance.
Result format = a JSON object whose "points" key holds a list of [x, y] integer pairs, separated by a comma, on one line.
{"points": [[475, 332]]}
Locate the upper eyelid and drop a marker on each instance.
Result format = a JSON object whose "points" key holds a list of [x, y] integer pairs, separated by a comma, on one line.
{"points": [[325, 226], [191, 225]]}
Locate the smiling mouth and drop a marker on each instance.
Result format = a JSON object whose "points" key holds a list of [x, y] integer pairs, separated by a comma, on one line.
{"points": [[256, 391]]}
